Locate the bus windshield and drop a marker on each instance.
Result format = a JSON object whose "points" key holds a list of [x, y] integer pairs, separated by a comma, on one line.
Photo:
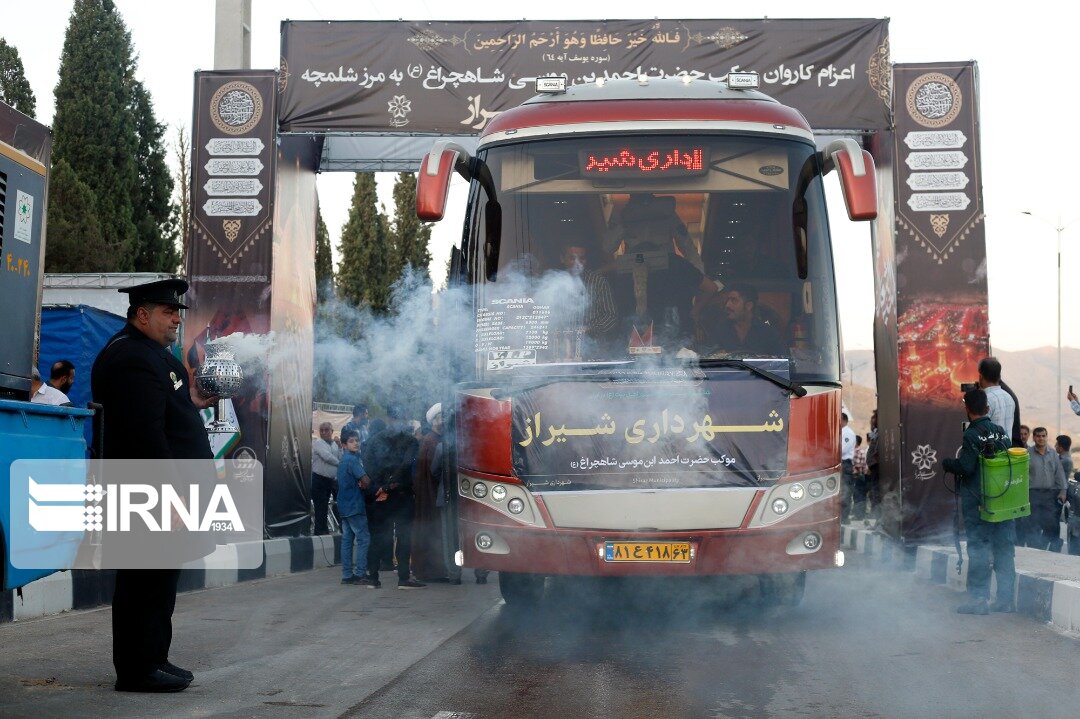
{"points": [[609, 248]]}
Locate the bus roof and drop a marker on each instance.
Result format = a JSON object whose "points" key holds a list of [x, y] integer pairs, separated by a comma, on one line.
{"points": [[648, 100]]}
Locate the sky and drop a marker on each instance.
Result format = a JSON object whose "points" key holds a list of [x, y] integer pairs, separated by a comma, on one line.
{"points": [[1024, 64]]}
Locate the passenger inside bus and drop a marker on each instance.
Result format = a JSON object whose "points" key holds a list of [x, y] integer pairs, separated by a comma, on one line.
{"points": [[738, 325], [583, 328]]}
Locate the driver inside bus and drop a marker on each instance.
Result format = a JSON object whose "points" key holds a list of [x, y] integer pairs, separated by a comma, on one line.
{"points": [[742, 329]]}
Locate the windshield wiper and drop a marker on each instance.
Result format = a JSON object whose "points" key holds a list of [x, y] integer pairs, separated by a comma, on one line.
{"points": [[793, 387]]}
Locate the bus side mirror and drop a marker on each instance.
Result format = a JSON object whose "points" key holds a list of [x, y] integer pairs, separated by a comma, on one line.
{"points": [[857, 177], [433, 181]]}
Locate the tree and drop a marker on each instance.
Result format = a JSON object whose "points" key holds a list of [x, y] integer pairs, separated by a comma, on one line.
{"points": [[364, 274], [74, 242], [14, 89], [94, 129], [182, 153], [324, 262], [157, 227], [411, 236]]}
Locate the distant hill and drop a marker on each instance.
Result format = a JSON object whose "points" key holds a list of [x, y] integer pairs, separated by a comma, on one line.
{"points": [[1032, 375]]}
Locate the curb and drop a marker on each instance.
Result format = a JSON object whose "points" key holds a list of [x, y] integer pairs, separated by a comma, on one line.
{"points": [[1052, 600], [84, 588]]}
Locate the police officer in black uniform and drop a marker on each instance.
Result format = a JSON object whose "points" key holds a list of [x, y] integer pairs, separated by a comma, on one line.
{"points": [[983, 538], [151, 411]]}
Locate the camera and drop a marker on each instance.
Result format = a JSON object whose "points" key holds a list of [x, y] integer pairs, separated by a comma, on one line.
{"points": [[968, 386]]}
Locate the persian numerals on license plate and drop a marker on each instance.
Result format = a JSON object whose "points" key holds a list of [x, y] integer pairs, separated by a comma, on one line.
{"points": [[647, 552]]}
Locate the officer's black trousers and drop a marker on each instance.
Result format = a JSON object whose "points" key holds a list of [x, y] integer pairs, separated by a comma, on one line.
{"points": [[383, 519], [142, 612]]}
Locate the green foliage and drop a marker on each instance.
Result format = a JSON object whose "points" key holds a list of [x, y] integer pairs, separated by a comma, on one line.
{"points": [[74, 242], [14, 88], [157, 226], [411, 237], [365, 272], [105, 129], [324, 263]]}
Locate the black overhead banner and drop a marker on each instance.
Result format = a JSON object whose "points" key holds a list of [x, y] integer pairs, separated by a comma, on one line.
{"points": [[450, 78], [664, 428]]}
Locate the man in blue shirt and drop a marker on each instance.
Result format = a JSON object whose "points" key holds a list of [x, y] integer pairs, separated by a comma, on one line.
{"points": [[353, 484]]}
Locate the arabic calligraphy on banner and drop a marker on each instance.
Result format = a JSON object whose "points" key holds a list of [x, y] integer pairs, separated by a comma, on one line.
{"points": [[726, 428], [453, 77]]}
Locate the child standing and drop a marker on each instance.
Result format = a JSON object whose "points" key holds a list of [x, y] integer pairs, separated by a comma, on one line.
{"points": [[353, 484]]}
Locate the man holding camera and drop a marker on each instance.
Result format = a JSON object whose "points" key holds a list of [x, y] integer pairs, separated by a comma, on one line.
{"points": [[984, 539]]}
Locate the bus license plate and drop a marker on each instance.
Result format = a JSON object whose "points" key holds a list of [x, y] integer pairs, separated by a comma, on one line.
{"points": [[678, 552]]}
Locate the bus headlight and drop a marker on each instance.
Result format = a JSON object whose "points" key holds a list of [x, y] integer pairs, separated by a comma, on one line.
{"points": [[812, 541], [816, 490], [484, 541], [465, 486], [498, 493], [780, 506], [831, 483], [479, 490], [515, 505], [796, 491]]}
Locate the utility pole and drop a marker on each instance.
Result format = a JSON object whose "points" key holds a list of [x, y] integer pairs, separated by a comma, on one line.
{"points": [[232, 35]]}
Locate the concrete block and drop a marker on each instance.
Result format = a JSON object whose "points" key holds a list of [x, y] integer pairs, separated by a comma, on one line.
{"points": [[952, 579], [1065, 605], [221, 566], [278, 557], [49, 595], [323, 550], [924, 561]]}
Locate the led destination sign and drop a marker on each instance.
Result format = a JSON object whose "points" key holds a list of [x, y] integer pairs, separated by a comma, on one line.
{"points": [[644, 161]]}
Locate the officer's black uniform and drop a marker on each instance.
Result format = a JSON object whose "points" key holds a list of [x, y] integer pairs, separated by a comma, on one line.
{"points": [[984, 539], [148, 414]]}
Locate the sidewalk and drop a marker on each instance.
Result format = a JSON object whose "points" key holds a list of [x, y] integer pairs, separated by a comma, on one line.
{"points": [[300, 646], [1047, 584], [85, 589]]}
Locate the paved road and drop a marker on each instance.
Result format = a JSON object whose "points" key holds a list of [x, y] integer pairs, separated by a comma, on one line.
{"points": [[866, 642]]}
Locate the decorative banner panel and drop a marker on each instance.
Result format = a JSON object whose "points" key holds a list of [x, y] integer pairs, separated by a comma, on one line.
{"points": [[231, 168], [452, 77], [941, 294], [230, 248]]}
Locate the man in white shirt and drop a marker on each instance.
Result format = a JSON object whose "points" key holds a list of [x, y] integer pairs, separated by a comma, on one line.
{"points": [[1002, 405], [847, 457], [43, 393], [325, 457]]}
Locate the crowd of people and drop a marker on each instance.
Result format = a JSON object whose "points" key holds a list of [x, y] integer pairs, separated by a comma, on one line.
{"points": [[994, 426], [385, 480]]}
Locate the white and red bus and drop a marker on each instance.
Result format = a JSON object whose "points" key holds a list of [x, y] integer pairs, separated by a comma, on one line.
{"points": [[657, 375]]}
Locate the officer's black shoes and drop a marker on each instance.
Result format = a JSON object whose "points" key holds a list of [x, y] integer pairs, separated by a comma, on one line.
{"points": [[409, 584], [170, 668], [1003, 607], [156, 681], [979, 606]]}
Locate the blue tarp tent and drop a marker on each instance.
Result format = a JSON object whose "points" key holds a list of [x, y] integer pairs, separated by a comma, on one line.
{"points": [[76, 333]]}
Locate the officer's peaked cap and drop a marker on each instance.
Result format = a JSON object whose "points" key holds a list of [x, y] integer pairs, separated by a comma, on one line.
{"points": [[162, 292]]}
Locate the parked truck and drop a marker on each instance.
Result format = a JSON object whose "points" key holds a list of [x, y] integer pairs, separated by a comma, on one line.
{"points": [[27, 430]]}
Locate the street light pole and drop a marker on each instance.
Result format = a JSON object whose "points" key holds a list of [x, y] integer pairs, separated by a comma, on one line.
{"points": [[1058, 228]]}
